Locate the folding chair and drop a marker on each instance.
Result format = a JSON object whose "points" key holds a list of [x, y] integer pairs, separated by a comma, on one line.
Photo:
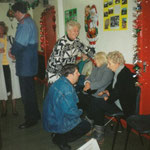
{"points": [[140, 123]]}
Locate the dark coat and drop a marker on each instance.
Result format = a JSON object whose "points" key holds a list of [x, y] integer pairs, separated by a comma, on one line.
{"points": [[125, 91]]}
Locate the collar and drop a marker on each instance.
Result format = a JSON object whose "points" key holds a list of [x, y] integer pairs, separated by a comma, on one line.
{"points": [[118, 70], [23, 17]]}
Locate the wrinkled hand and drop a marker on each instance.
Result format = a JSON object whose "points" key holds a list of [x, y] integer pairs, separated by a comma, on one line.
{"points": [[87, 86], [1, 50], [104, 92]]}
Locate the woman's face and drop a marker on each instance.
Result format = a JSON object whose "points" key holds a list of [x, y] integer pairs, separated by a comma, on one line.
{"points": [[97, 62], [1, 30], [73, 33], [112, 66], [84, 57]]}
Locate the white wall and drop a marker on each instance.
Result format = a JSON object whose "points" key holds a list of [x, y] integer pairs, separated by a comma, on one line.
{"points": [[12, 25], [3, 17], [108, 40], [37, 17]]}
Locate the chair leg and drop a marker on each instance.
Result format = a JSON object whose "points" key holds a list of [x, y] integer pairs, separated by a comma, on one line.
{"points": [[141, 139], [149, 145], [127, 137], [116, 131]]}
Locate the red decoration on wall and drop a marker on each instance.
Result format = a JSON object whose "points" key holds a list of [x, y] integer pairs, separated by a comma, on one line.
{"points": [[48, 32], [142, 53]]}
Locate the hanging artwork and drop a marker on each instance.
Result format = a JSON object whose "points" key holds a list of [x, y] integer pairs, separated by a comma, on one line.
{"points": [[115, 15], [91, 24], [70, 14]]}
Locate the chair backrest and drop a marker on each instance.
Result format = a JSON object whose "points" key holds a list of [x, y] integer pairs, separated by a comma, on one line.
{"points": [[138, 92]]}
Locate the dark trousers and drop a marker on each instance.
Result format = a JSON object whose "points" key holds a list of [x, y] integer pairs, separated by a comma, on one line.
{"points": [[84, 101], [80, 130], [98, 108], [7, 76], [29, 98]]}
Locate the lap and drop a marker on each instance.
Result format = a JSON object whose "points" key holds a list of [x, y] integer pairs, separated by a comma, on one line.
{"points": [[99, 104]]}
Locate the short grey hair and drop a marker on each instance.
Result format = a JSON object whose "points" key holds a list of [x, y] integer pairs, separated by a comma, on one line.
{"points": [[71, 24], [116, 57]]}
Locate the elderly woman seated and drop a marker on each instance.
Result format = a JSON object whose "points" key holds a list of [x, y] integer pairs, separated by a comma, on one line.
{"points": [[118, 96], [98, 80]]}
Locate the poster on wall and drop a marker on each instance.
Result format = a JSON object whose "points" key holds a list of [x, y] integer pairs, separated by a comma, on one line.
{"points": [[115, 14], [70, 14]]}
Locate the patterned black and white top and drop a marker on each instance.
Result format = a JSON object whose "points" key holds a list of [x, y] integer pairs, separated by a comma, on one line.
{"points": [[65, 52]]}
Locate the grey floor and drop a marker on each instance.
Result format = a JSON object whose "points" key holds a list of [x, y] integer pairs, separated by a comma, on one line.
{"points": [[35, 138]]}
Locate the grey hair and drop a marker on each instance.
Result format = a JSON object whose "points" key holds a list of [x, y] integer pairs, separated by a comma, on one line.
{"points": [[71, 24], [116, 57]]}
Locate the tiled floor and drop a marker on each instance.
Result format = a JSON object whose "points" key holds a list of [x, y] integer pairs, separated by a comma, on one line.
{"points": [[35, 138]]}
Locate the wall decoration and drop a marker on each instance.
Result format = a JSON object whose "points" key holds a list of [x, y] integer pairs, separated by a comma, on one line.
{"points": [[91, 24], [136, 35], [115, 15], [70, 15], [47, 31], [10, 13]]}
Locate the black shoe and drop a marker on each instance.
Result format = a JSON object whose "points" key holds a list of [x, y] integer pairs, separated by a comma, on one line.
{"points": [[61, 146], [27, 124], [64, 147]]}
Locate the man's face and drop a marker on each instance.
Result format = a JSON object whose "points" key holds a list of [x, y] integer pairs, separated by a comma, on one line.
{"points": [[75, 76], [17, 15]]}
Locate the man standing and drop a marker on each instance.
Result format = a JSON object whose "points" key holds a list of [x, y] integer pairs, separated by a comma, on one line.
{"points": [[25, 51], [61, 115]]}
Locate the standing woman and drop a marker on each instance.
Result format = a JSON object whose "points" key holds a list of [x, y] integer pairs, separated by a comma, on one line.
{"points": [[65, 51], [9, 83]]}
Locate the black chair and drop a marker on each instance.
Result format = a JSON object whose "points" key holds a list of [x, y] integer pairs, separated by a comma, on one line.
{"points": [[140, 123], [120, 115]]}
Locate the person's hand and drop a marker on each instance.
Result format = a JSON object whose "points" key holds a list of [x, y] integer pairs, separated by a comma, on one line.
{"points": [[107, 92], [1, 50], [11, 56], [87, 86], [104, 92], [100, 93], [106, 98]]}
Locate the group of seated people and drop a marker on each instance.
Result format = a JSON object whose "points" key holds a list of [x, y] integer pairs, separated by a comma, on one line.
{"points": [[106, 85]]}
